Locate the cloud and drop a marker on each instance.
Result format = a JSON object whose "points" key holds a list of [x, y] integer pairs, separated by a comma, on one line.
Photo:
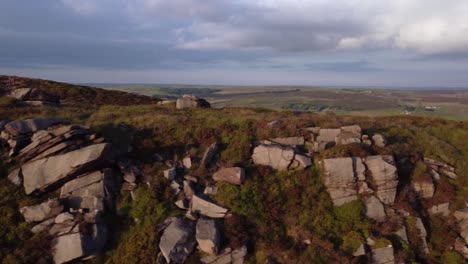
{"points": [[426, 27], [85, 7]]}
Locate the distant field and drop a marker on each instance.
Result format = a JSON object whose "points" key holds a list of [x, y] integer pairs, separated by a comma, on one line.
{"points": [[449, 104]]}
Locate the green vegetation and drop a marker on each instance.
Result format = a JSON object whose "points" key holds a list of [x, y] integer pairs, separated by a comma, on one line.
{"points": [[273, 212]]}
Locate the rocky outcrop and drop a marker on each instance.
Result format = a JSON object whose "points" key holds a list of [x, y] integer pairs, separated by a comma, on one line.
{"points": [[178, 240], [235, 175], [280, 157], [28, 126], [40, 174], [208, 235], [438, 168], [35, 97], [324, 138], [385, 177], [190, 101], [43, 211]]}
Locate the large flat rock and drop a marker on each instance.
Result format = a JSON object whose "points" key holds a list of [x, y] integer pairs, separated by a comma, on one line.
{"points": [[40, 174], [76, 245], [384, 174], [340, 180]]}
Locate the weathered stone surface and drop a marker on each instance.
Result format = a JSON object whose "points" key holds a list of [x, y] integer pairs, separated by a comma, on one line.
{"points": [[375, 209], [289, 141], [384, 174], [360, 251], [235, 175], [63, 228], [63, 217], [43, 211], [461, 215], [170, 174], [208, 235], [40, 174], [227, 256], [328, 135], [422, 234], [209, 154], [93, 191], [16, 177], [178, 240], [189, 189], [365, 140], [273, 123], [17, 128], [279, 157], [210, 190], [187, 162], [77, 245], [131, 174], [448, 173], [340, 180], [401, 233], [425, 188], [207, 208], [345, 138], [443, 209], [21, 93], [354, 129], [461, 247], [190, 101], [379, 140], [42, 226], [383, 255]]}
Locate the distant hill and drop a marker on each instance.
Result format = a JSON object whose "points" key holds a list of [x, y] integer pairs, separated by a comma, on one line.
{"points": [[74, 95]]}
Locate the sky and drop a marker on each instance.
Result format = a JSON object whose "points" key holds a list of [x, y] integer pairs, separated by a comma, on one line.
{"points": [[403, 43]]}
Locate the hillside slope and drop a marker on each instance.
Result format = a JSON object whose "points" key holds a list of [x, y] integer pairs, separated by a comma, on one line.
{"points": [[291, 209], [74, 95]]}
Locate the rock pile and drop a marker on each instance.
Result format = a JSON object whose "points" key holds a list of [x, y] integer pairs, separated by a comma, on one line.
{"points": [[203, 217], [324, 138], [77, 161], [191, 101], [438, 168], [35, 97]]}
